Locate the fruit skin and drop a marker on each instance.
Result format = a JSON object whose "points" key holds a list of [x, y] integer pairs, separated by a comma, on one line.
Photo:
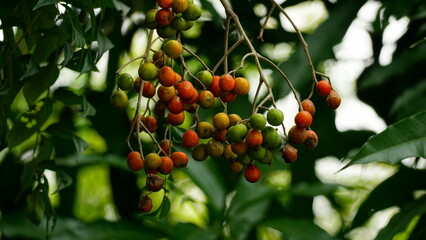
{"points": [[333, 100], [166, 94], [252, 173], [275, 117], [125, 81], [164, 17], [226, 83], [289, 154], [215, 87], [194, 99], [303, 119], [166, 76], [152, 161], [254, 138], [204, 130], [207, 99], [192, 13], [267, 159], [180, 159], [228, 96], [220, 134], [205, 77], [180, 23], [199, 153], [214, 148], [311, 141], [235, 166], [160, 108], [150, 21], [323, 88], [148, 71], [257, 153], [166, 31], [149, 122], [245, 159], [270, 136], [159, 58], [180, 6], [239, 148], [237, 133], [172, 48], [148, 89], [190, 139], [175, 119], [221, 121], [165, 144], [233, 119], [154, 183], [308, 105], [166, 166], [176, 105], [135, 161], [242, 86], [228, 153], [258, 121], [145, 204], [119, 99], [297, 135], [165, 3], [185, 90]]}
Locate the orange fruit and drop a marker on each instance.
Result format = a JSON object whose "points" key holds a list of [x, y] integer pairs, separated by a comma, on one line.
{"points": [[179, 6], [166, 76], [176, 105], [206, 99], [164, 17], [190, 139], [254, 138], [180, 159], [221, 121], [135, 161], [308, 105], [214, 86], [226, 83], [242, 86], [175, 119], [166, 94], [173, 48]]}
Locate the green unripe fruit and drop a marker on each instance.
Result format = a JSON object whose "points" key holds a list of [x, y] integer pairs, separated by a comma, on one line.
{"points": [[125, 81], [150, 19], [258, 121], [257, 153], [237, 133], [166, 31], [278, 143], [215, 148], [148, 71], [179, 23], [192, 13], [205, 77], [267, 159], [189, 25], [275, 117], [270, 136], [244, 159], [199, 153], [204, 130], [119, 99]]}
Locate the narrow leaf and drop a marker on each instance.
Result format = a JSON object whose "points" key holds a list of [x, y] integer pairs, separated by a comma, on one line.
{"points": [[406, 138], [42, 3], [104, 44]]}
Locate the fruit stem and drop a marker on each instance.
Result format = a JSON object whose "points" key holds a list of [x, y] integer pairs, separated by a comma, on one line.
{"points": [[262, 29]]}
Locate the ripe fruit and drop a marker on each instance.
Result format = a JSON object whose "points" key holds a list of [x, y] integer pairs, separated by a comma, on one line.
{"points": [[154, 183], [233, 119], [289, 154], [180, 6], [270, 136], [204, 130], [237, 133], [159, 58], [148, 89], [185, 90], [252, 173], [194, 99], [176, 105], [165, 144], [152, 161], [296, 135], [235, 166], [207, 99], [228, 153], [119, 99], [150, 21], [166, 94], [333, 100], [192, 13], [164, 17], [311, 141], [166, 76], [175, 119], [258, 121], [226, 83], [160, 108], [228, 96], [323, 88], [199, 153], [172, 48], [275, 117], [254, 138], [205, 77], [220, 134], [242, 86], [145, 204], [135, 161], [125, 81], [166, 165], [190, 139], [303, 119], [148, 71], [221, 121], [214, 148], [191, 108], [165, 3], [239, 148], [308, 105], [180, 159], [149, 122], [214, 86]]}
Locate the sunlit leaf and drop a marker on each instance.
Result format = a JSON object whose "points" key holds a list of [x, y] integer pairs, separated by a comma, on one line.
{"points": [[120, 6], [40, 82], [406, 138], [298, 229], [165, 208]]}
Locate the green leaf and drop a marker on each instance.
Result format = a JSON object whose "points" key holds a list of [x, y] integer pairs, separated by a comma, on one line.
{"points": [[165, 208], [111, 159], [42, 3], [120, 6], [39, 83], [88, 64], [78, 39], [68, 53], [409, 102], [33, 68], [68, 96], [401, 220], [88, 109], [80, 144], [298, 229], [406, 138], [104, 44], [35, 207], [64, 180], [64, 132], [313, 189]]}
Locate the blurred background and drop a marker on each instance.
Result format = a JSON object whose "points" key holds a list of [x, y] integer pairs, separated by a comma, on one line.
{"points": [[63, 173]]}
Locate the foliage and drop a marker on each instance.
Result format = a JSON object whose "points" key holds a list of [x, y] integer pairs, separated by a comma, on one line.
{"points": [[50, 133]]}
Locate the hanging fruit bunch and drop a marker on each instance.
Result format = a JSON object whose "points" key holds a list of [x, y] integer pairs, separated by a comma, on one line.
{"points": [[244, 143]]}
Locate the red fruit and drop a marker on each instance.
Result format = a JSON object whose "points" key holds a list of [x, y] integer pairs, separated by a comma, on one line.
{"points": [[176, 105], [226, 83], [311, 141], [297, 135], [214, 86], [239, 148], [185, 90], [190, 139], [165, 3], [303, 119], [165, 144], [228, 97], [154, 183], [160, 108], [254, 138], [166, 166], [175, 119], [150, 123], [323, 88], [166, 94], [145, 204], [148, 89], [166, 76], [308, 105], [289, 154], [164, 17], [135, 161], [194, 99], [180, 159], [252, 173], [333, 100]]}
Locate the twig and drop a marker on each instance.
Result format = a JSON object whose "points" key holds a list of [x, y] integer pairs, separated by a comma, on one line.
{"points": [[197, 57], [262, 29], [230, 50]]}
